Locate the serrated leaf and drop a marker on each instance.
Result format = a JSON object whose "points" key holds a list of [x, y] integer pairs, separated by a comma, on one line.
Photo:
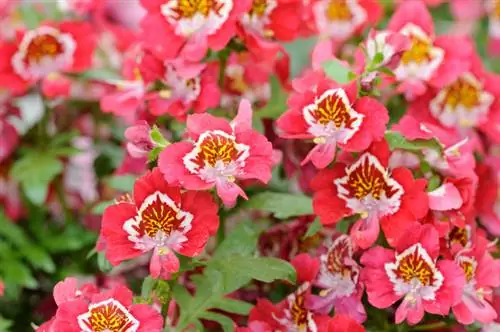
{"points": [[277, 105], [182, 296], [313, 228], [282, 205], [233, 306], [335, 70], [15, 272], [226, 322], [398, 141], [241, 241], [266, 269]]}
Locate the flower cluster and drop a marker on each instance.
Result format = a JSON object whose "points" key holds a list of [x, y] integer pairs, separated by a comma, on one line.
{"points": [[250, 165]]}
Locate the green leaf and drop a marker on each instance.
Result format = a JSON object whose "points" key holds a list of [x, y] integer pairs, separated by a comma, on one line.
{"points": [[147, 287], [122, 182], [99, 208], [157, 137], [36, 255], [337, 71], [100, 75], [434, 183], [282, 205], [266, 269], [35, 171], [233, 306], [154, 154], [314, 228], [30, 16], [13, 271], [277, 105], [300, 54], [182, 296], [241, 241], [377, 59], [103, 263], [397, 141], [226, 322], [5, 324]]}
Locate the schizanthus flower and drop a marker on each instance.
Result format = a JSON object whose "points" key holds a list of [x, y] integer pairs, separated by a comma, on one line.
{"points": [[412, 272], [219, 153], [366, 188], [161, 219]]}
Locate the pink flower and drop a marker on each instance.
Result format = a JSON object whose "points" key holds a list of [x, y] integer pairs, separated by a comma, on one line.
{"points": [[139, 140], [189, 29], [219, 153], [340, 20], [246, 78], [412, 272], [66, 47], [390, 44], [10, 138], [488, 205], [187, 86], [331, 116], [366, 188], [161, 219], [482, 276], [430, 60], [110, 310], [338, 279]]}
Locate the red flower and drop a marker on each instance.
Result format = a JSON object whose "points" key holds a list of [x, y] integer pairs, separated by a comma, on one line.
{"points": [[331, 115], [48, 49], [365, 187], [161, 219], [220, 153], [412, 272], [107, 311], [186, 29]]}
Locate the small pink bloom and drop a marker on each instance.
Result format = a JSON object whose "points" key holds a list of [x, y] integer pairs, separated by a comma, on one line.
{"points": [[219, 153], [430, 60], [106, 311], [161, 219], [139, 139], [349, 189], [189, 30], [482, 276], [340, 20], [412, 272], [331, 116], [338, 279]]}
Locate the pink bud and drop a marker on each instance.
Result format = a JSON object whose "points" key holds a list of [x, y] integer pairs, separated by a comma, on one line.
{"points": [[139, 140]]}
